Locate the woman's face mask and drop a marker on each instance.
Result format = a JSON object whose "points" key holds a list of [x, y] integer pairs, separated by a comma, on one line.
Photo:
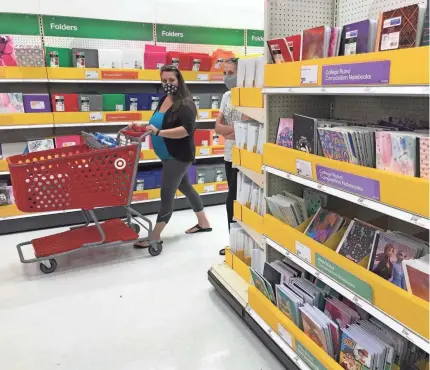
{"points": [[170, 89], [230, 81]]}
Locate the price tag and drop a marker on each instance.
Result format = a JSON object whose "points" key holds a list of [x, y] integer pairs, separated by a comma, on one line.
{"points": [[357, 301], [323, 90], [91, 75], [361, 201], [309, 75], [304, 168], [290, 90], [285, 335], [96, 116], [367, 89], [202, 77], [203, 115], [209, 188], [205, 151], [303, 252], [320, 187], [317, 274]]}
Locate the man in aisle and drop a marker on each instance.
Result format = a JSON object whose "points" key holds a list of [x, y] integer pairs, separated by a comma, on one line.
{"points": [[224, 126]]}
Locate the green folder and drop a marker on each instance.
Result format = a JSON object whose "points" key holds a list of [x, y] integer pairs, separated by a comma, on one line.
{"points": [[113, 102], [64, 56]]}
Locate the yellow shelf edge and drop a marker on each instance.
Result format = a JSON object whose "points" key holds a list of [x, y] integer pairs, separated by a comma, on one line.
{"points": [[412, 312]]}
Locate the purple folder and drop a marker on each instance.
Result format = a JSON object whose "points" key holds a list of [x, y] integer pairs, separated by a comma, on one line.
{"points": [[36, 103]]}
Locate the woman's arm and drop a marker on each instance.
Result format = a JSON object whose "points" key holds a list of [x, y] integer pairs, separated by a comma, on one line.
{"points": [[174, 133]]}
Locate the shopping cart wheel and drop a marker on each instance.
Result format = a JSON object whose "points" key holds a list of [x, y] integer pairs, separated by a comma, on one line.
{"points": [[48, 270], [155, 249], [135, 228]]}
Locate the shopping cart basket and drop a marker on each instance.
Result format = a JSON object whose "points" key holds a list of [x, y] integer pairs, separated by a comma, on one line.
{"points": [[81, 177]]}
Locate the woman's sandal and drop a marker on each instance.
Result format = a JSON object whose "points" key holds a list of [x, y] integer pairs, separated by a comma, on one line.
{"points": [[138, 246], [199, 230]]}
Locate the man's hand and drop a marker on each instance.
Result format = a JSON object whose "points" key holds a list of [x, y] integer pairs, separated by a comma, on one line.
{"points": [[230, 136]]}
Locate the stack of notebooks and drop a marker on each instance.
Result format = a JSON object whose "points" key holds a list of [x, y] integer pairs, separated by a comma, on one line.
{"points": [[392, 253], [400, 28], [249, 135], [343, 330], [324, 225], [391, 145], [356, 243], [288, 208], [293, 209], [249, 194], [241, 244]]}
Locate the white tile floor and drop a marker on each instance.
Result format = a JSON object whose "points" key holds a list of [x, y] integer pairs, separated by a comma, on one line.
{"points": [[121, 309]]}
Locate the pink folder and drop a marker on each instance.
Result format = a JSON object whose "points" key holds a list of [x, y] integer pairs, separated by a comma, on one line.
{"points": [[155, 48], [155, 60]]}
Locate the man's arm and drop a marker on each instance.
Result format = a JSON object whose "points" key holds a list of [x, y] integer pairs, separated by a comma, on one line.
{"points": [[220, 127]]}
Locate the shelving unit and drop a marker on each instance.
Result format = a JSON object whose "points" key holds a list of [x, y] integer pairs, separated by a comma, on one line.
{"points": [[402, 200]]}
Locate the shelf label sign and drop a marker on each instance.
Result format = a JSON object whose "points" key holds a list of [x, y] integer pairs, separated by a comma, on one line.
{"points": [[200, 35], [140, 196], [119, 117], [285, 335], [223, 186], [97, 28], [119, 75], [308, 357], [366, 73], [343, 277], [304, 168], [303, 252], [255, 38], [355, 184], [218, 150], [309, 75]]}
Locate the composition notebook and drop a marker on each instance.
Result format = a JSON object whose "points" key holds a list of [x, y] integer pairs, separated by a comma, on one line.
{"points": [[358, 38], [315, 43], [279, 51], [401, 28]]}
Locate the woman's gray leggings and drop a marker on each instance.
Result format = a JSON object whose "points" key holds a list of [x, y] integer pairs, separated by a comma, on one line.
{"points": [[175, 176]]}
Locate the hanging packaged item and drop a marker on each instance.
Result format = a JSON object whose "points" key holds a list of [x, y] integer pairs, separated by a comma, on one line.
{"points": [[90, 102], [203, 61], [85, 58], [58, 57], [110, 58], [29, 57], [155, 100], [132, 59], [137, 102], [155, 56], [64, 102], [219, 57], [182, 61], [36, 103], [113, 102]]}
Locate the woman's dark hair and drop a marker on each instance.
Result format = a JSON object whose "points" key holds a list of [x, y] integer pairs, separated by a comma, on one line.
{"points": [[183, 95]]}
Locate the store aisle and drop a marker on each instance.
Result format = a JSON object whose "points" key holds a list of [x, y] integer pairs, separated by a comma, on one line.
{"points": [[122, 309]]}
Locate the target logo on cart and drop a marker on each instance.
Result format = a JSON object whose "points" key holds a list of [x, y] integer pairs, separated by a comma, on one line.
{"points": [[120, 163]]}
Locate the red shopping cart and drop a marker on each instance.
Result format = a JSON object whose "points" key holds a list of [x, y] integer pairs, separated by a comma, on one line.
{"points": [[82, 177]]}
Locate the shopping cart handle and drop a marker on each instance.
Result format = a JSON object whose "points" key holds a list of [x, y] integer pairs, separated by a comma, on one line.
{"points": [[135, 131]]}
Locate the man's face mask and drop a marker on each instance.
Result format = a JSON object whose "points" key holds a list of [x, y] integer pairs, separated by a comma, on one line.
{"points": [[230, 81]]}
